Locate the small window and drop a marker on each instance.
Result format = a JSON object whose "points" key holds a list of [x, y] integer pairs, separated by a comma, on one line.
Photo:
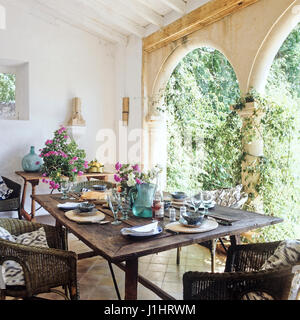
{"points": [[8, 96]]}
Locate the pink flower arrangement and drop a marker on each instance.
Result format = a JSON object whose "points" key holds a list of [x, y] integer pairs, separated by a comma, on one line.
{"points": [[62, 159], [129, 176]]}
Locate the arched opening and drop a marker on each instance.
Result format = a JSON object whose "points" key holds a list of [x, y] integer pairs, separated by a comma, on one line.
{"points": [[281, 134], [204, 148]]}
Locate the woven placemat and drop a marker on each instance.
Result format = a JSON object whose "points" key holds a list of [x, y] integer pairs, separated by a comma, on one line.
{"points": [[207, 225], [72, 215]]}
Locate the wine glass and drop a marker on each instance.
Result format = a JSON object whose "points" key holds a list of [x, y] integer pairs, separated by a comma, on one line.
{"points": [[196, 201], [114, 207], [65, 187], [206, 198]]}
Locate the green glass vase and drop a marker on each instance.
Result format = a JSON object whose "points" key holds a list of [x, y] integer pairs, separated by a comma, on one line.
{"points": [[32, 162], [142, 198]]}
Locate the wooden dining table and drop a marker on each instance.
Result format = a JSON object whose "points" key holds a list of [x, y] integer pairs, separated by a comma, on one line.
{"points": [[124, 251]]}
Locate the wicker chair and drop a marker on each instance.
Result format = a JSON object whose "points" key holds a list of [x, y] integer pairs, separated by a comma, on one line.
{"points": [[44, 268], [13, 202], [242, 276]]}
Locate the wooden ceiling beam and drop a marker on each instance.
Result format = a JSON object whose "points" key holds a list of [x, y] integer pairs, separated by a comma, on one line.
{"points": [[177, 5], [201, 17], [144, 12]]}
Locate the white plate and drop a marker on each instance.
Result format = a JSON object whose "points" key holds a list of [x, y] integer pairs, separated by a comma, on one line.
{"points": [[125, 232]]}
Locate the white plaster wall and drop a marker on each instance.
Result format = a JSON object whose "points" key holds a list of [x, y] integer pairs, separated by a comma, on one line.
{"points": [[63, 63]]}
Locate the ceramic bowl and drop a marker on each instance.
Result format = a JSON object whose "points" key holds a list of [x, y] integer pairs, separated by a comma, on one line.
{"points": [[179, 195], [100, 187], [86, 207], [193, 218]]}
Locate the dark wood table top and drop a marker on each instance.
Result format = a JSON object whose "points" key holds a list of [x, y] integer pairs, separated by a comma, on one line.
{"points": [[107, 241]]}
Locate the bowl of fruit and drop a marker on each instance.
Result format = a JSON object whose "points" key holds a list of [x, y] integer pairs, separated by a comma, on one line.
{"points": [[95, 167]]}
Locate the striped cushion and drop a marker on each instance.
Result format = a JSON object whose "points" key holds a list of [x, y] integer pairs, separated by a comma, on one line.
{"points": [[12, 271]]}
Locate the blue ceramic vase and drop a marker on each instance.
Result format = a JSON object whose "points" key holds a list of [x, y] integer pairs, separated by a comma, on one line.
{"points": [[32, 162]]}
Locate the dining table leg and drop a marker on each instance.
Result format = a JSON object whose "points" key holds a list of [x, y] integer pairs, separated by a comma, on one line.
{"points": [[131, 279]]}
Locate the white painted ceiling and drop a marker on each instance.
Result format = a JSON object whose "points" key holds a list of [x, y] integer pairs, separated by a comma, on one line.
{"points": [[110, 20]]}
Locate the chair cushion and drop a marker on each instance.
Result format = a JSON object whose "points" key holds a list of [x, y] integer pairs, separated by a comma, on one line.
{"points": [[231, 197], [286, 254], [5, 235], [4, 190], [12, 271]]}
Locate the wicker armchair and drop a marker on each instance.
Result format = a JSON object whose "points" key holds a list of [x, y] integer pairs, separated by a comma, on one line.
{"points": [[242, 276], [44, 268], [13, 202], [77, 187]]}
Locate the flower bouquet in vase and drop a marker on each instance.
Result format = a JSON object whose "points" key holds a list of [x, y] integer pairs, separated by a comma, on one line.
{"points": [[139, 187], [63, 161]]}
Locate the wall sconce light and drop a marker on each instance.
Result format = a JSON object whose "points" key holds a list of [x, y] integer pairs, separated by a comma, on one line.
{"points": [[125, 112], [77, 125]]}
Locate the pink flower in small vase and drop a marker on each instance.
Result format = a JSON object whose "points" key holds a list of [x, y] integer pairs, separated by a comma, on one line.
{"points": [[117, 178], [136, 168], [118, 166], [138, 181]]}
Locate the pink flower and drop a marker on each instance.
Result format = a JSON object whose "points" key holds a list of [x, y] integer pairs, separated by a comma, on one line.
{"points": [[44, 174], [80, 173], [138, 181], [86, 164], [136, 168], [37, 163], [118, 166], [66, 137], [117, 178], [48, 142], [61, 130], [71, 161], [74, 169], [75, 158]]}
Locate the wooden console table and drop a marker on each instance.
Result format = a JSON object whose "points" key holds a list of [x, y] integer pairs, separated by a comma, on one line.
{"points": [[34, 178]]}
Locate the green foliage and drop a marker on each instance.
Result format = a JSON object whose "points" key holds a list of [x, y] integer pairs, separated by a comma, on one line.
{"points": [[7, 88], [204, 149], [205, 136]]}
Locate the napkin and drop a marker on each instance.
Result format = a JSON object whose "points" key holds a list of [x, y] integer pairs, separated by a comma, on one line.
{"points": [[146, 229], [68, 205]]}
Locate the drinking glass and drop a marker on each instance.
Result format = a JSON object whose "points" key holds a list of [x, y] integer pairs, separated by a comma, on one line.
{"points": [[206, 197], [125, 207], [114, 207], [196, 201], [65, 187]]}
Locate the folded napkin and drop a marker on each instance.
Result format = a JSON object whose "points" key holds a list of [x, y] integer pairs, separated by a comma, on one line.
{"points": [[146, 229], [68, 205]]}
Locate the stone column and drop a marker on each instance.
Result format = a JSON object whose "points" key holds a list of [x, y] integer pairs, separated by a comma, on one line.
{"points": [[254, 149]]}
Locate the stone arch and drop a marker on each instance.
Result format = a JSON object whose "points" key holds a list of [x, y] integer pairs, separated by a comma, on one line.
{"points": [[156, 121], [271, 45]]}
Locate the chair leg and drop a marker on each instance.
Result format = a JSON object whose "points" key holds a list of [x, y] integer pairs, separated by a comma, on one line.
{"points": [[178, 256], [2, 295], [114, 280], [213, 254]]}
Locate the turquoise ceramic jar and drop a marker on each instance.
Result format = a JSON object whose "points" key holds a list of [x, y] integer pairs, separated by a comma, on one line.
{"points": [[32, 162]]}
